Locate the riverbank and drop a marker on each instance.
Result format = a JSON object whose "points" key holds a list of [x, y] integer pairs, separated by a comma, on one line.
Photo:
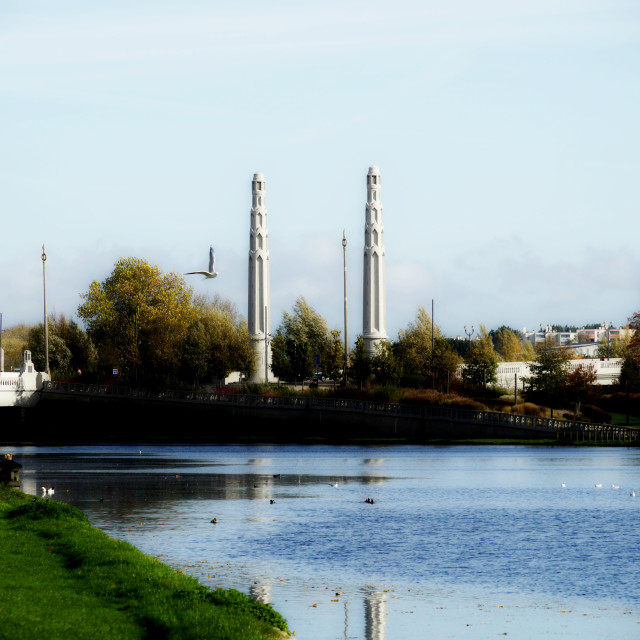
{"points": [[64, 578]]}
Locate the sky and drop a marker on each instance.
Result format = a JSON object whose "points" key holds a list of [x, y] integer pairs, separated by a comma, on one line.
{"points": [[506, 133]]}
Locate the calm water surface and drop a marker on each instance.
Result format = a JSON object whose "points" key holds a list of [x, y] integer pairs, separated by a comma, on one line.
{"points": [[461, 542]]}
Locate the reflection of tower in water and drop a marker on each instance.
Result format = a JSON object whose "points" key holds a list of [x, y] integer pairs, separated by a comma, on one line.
{"points": [[375, 611], [260, 592]]}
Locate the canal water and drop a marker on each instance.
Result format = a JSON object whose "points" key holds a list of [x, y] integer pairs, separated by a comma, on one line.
{"points": [[374, 543]]}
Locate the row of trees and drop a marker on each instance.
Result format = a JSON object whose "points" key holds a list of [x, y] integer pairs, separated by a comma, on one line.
{"points": [[145, 327], [150, 328]]}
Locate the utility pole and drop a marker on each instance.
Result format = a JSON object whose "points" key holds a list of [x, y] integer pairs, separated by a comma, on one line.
{"points": [[266, 347], [46, 321], [346, 315], [1, 351]]}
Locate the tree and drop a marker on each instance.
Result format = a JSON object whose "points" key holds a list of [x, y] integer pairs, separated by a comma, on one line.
{"points": [[414, 345], [14, 342], [509, 346], [481, 362], [425, 356], [305, 324], [384, 364], [217, 342], [138, 318], [548, 374], [84, 355], [579, 383], [59, 354], [306, 334], [333, 356], [280, 365], [360, 368], [630, 375], [615, 347], [634, 341], [71, 352]]}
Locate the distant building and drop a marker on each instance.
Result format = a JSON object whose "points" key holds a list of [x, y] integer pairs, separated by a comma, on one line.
{"points": [[583, 341]]}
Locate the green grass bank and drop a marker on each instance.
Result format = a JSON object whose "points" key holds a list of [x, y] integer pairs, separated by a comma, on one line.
{"points": [[63, 578]]}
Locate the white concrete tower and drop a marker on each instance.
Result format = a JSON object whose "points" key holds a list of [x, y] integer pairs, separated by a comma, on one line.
{"points": [[259, 317], [374, 307]]}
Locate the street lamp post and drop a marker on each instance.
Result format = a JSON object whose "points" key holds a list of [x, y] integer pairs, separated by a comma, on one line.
{"points": [[469, 333], [607, 326], [346, 317], [266, 348], [1, 351], [46, 323]]}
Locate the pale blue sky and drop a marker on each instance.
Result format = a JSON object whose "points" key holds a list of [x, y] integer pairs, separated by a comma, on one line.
{"points": [[506, 134]]}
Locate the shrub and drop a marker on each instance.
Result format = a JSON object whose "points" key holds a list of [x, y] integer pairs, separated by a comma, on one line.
{"points": [[529, 409], [618, 403], [594, 414]]}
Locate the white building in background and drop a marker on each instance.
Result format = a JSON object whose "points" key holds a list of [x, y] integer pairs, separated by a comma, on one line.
{"points": [[579, 337], [21, 388], [374, 307], [259, 313], [510, 373]]}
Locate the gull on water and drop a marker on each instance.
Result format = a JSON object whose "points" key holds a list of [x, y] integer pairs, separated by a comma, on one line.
{"points": [[212, 273]]}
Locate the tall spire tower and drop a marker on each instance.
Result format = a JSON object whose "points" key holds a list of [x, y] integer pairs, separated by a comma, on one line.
{"points": [[374, 308], [259, 316]]}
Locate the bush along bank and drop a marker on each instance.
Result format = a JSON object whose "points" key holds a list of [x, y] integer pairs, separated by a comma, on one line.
{"points": [[63, 578]]}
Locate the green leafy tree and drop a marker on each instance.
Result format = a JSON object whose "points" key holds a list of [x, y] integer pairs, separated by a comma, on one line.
{"points": [[360, 366], [14, 342], [580, 384], [84, 355], [333, 356], [306, 334], [301, 356], [384, 364], [217, 342], [280, 364], [138, 318], [424, 354], [509, 346], [616, 347], [548, 374], [59, 353], [71, 352], [629, 380], [305, 325], [481, 362]]}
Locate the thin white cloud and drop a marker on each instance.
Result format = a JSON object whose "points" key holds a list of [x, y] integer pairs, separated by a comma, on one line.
{"points": [[309, 29]]}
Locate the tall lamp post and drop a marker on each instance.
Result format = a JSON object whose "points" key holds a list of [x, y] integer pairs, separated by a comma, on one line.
{"points": [[607, 326], [346, 320], [469, 333], [46, 322], [266, 347], [1, 351]]}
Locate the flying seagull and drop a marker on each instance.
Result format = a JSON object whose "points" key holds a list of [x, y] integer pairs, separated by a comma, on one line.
{"points": [[212, 273]]}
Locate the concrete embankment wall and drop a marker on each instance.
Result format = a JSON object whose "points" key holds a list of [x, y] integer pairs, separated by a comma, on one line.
{"points": [[124, 419]]}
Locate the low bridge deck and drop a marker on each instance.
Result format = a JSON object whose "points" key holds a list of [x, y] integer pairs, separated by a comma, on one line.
{"points": [[504, 422]]}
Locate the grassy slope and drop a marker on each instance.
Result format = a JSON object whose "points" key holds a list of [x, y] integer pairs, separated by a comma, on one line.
{"points": [[62, 578]]}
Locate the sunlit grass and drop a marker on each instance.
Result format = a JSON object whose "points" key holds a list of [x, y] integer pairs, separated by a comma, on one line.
{"points": [[62, 578], [621, 419]]}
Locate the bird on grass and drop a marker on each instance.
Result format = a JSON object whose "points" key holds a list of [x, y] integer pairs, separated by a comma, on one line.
{"points": [[212, 273]]}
